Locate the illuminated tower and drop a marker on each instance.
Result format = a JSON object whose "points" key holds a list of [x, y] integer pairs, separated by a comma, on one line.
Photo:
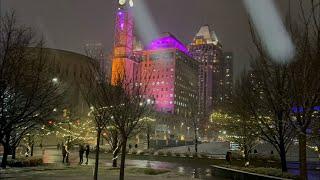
{"points": [[122, 65], [207, 50]]}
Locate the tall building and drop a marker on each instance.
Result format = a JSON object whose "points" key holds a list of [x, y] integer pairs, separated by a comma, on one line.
{"points": [[215, 70], [165, 68], [170, 75], [207, 50], [122, 64]]}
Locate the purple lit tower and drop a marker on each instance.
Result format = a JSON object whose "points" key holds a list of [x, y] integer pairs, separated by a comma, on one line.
{"points": [[170, 76], [122, 65]]}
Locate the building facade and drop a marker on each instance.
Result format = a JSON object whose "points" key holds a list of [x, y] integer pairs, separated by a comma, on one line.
{"points": [[207, 50], [170, 75], [164, 69]]}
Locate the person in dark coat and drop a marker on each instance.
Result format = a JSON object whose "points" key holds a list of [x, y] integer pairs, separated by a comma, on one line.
{"points": [[87, 151], [228, 157], [81, 151], [64, 153]]}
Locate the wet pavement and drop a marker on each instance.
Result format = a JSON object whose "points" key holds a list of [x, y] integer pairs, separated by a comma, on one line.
{"points": [[53, 156]]}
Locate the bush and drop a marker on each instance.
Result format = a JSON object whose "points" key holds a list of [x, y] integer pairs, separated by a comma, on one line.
{"points": [[25, 162], [204, 155], [147, 171], [150, 151], [160, 153], [134, 152], [169, 153], [187, 154], [177, 154], [142, 152], [195, 155], [236, 155], [266, 171], [150, 171]]}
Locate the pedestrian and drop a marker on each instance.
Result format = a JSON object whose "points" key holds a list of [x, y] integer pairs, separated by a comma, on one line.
{"points": [[81, 151], [228, 157], [65, 154], [136, 146], [27, 151], [188, 149], [87, 153], [68, 155]]}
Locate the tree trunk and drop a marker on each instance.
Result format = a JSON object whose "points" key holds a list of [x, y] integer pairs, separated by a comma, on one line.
{"points": [[148, 140], [281, 145], [5, 156], [96, 164], [114, 160], [283, 157], [195, 140], [246, 154], [31, 150], [13, 151], [123, 158], [6, 150], [115, 149], [303, 156]]}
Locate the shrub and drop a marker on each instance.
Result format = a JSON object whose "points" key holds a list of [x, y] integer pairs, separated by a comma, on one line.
{"points": [[195, 155], [150, 171], [160, 153], [177, 154], [187, 154], [204, 155], [266, 171], [147, 171], [25, 162], [150, 151], [134, 152], [142, 152], [169, 153]]}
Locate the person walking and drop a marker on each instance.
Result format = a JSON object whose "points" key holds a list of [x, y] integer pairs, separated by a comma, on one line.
{"points": [[228, 157], [65, 154], [87, 151], [81, 151]]}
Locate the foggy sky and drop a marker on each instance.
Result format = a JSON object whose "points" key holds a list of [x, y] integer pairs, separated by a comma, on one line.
{"points": [[70, 24]]}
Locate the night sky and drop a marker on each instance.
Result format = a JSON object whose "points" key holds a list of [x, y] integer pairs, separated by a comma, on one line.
{"points": [[70, 24]]}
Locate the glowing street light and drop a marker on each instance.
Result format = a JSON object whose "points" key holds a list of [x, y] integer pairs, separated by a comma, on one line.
{"points": [[55, 80]]}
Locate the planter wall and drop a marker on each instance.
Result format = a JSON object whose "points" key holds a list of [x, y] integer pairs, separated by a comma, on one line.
{"points": [[240, 175]]}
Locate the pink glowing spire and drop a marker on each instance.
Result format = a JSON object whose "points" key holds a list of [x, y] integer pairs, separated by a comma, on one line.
{"points": [[167, 41]]}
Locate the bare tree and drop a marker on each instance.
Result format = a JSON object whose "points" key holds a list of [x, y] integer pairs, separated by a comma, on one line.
{"points": [[193, 120], [113, 139], [304, 74], [128, 107], [27, 94], [148, 128], [241, 123], [97, 93], [292, 89]]}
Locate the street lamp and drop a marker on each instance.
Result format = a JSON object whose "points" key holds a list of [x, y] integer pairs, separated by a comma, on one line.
{"points": [[55, 80]]}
